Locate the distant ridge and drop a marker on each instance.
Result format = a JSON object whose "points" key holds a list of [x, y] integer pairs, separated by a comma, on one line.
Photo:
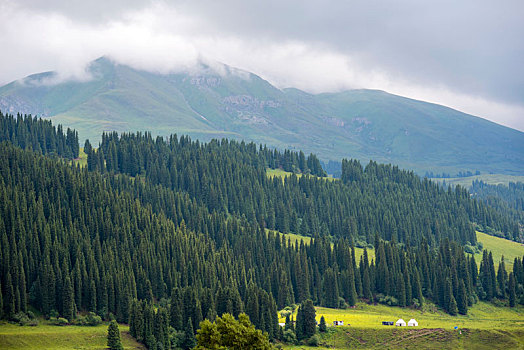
{"points": [[226, 102]]}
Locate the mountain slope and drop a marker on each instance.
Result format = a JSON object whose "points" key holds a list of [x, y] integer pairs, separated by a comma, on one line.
{"points": [[363, 124]]}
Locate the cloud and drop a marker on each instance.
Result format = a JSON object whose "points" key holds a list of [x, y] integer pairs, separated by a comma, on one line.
{"points": [[466, 56]]}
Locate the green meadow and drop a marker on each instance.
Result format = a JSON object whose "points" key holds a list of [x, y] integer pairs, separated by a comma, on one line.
{"points": [[485, 326], [480, 316], [500, 247], [491, 179], [48, 336]]}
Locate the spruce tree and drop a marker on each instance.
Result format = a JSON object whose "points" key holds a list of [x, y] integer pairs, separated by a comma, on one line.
{"points": [[309, 326], [462, 299], [189, 341], [68, 300], [322, 327], [511, 287], [113, 336]]}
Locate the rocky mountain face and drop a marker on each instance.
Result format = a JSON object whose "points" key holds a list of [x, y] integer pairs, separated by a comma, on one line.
{"points": [[210, 103]]}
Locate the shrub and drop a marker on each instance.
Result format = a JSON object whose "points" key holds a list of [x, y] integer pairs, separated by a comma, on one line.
{"points": [[53, 314], [93, 319], [21, 318], [313, 341], [289, 337], [59, 321], [388, 300]]}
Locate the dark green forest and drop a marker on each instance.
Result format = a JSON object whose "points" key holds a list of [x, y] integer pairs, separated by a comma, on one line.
{"points": [[505, 199], [163, 234], [230, 177], [39, 135]]}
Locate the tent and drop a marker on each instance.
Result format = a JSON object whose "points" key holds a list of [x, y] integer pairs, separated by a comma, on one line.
{"points": [[413, 323], [400, 323]]}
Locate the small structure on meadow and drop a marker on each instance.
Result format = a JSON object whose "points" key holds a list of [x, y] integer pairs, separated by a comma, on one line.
{"points": [[400, 323], [412, 323], [338, 323], [388, 323]]}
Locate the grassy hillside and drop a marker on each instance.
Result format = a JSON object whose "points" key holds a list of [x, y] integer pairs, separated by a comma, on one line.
{"points": [[362, 124], [485, 325], [480, 316], [409, 338], [499, 247], [46, 336], [491, 179]]}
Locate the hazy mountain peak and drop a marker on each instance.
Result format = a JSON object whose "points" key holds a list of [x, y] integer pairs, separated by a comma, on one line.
{"points": [[214, 100]]}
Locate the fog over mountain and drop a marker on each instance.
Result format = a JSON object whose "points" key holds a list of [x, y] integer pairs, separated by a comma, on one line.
{"points": [[216, 101], [464, 55]]}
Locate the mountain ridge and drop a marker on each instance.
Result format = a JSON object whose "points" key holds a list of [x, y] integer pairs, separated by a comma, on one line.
{"points": [[206, 104]]}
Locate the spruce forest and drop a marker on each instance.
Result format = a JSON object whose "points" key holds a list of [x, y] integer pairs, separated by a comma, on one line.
{"points": [[163, 233]]}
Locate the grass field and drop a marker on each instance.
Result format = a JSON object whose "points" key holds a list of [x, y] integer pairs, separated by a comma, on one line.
{"points": [[47, 336], [485, 325], [480, 316], [500, 246], [417, 338], [491, 179]]}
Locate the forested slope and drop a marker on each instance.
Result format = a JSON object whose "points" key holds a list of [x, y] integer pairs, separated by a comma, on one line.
{"points": [[230, 177], [159, 254]]}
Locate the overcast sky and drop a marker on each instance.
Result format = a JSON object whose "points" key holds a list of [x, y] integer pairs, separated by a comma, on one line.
{"points": [[468, 55]]}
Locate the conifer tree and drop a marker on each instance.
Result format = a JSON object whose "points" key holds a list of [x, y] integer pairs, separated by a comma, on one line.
{"points": [[189, 340], [113, 336], [307, 326], [462, 301], [511, 290], [322, 327], [502, 277], [68, 300]]}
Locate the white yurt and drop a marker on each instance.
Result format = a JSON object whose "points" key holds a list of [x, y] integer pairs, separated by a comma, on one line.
{"points": [[400, 323], [413, 323]]}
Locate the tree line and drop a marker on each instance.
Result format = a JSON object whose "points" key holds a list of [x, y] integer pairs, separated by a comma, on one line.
{"points": [[505, 199], [39, 135]]}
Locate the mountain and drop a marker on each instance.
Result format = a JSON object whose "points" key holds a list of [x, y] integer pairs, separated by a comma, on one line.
{"points": [[226, 102]]}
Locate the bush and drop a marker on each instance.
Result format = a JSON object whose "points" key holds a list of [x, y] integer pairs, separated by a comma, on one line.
{"points": [[289, 337], [53, 314], [31, 315], [176, 338], [388, 300], [90, 319], [59, 321], [342, 303], [313, 341], [93, 319], [21, 318]]}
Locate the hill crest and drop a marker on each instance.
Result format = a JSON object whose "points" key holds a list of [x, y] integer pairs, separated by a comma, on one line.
{"points": [[221, 101]]}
